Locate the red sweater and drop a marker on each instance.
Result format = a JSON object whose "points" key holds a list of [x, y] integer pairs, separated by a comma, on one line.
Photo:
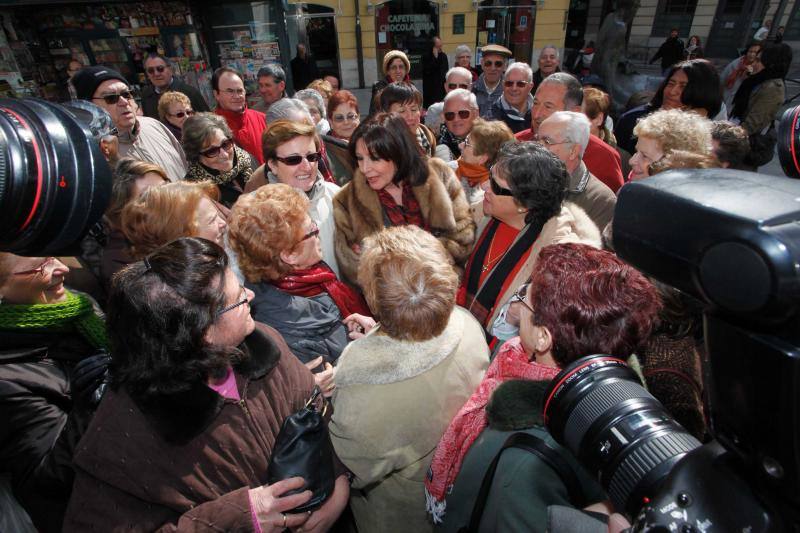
{"points": [[247, 128], [602, 160]]}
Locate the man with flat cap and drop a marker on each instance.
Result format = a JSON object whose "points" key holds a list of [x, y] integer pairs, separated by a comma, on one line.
{"points": [[489, 86], [139, 137]]}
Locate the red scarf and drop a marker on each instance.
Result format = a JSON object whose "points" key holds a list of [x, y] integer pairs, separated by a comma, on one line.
{"points": [[407, 213], [313, 281], [511, 362]]}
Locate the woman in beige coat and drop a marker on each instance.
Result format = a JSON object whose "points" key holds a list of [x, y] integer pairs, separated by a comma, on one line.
{"points": [[399, 385]]}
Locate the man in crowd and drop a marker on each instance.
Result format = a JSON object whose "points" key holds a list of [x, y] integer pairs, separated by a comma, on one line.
{"points": [[246, 124], [670, 51], [460, 112], [563, 92], [271, 86], [549, 62], [514, 105], [162, 79], [434, 73], [304, 68], [489, 86], [731, 144], [456, 78], [566, 135], [142, 138]]}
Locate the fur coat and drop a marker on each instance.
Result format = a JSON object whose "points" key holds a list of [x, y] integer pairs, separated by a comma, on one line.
{"points": [[358, 213]]}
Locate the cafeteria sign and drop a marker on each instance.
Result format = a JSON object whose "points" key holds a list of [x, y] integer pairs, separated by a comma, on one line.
{"points": [[415, 23]]}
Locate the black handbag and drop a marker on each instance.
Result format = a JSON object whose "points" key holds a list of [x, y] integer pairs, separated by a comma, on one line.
{"points": [[762, 147], [303, 448]]}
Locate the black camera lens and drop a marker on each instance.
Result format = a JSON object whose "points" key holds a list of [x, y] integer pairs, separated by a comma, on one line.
{"points": [[54, 181], [789, 142], [598, 409]]}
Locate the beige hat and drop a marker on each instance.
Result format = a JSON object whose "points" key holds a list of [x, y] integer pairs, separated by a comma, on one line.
{"points": [[496, 49], [393, 54]]}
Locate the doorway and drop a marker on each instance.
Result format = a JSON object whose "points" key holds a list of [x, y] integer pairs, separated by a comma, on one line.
{"points": [[731, 29], [507, 25], [314, 26]]}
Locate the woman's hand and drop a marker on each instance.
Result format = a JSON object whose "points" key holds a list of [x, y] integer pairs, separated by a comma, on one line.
{"points": [[358, 325], [324, 379], [323, 518], [270, 506]]}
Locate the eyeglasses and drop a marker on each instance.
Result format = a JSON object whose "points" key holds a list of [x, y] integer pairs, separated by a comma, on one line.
{"points": [[466, 142], [313, 233], [519, 83], [452, 86], [294, 160], [497, 64], [112, 99], [522, 294], [497, 190], [547, 141], [234, 306], [38, 270], [348, 117], [226, 145], [462, 114], [159, 69], [181, 114], [234, 92]]}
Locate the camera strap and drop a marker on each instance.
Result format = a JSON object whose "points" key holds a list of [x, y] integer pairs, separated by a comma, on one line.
{"points": [[535, 445]]}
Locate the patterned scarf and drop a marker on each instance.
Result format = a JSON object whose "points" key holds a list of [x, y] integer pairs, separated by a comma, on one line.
{"points": [[239, 174], [407, 213], [447, 137], [320, 278], [423, 141]]}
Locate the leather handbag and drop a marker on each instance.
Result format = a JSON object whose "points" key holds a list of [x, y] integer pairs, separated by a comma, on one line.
{"points": [[303, 448]]}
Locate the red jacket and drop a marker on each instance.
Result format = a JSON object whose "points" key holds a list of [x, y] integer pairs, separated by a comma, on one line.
{"points": [[601, 159], [247, 128]]}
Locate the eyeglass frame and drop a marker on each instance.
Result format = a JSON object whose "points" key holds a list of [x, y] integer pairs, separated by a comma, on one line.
{"points": [[350, 117], [157, 68], [113, 98], [521, 84], [497, 63], [454, 86], [38, 270], [313, 233], [289, 158], [459, 113], [495, 187], [521, 294], [181, 114], [546, 141], [233, 306], [218, 149]]}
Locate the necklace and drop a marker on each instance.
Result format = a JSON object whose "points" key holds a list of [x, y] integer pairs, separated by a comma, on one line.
{"points": [[488, 264]]}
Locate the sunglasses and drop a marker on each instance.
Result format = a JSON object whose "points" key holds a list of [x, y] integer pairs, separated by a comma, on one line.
{"points": [[497, 190], [462, 114], [38, 270], [294, 160], [520, 84], [341, 118], [159, 69], [181, 114], [452, 86], [497, 64], [235, 305], [112, 99], [313, 233], [226, 145]]}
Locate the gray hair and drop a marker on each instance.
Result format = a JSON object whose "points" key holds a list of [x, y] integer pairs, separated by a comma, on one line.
{"points": [[554, 47], [197, 129], [274, 70], [524, 67], [287, 109], [576, 129], [458, 70], [463, 49], [574, 95], [462, 94], [310, 94]]}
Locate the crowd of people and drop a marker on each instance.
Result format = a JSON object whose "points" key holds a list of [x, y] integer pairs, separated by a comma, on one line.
{"points": [[429, 267]]}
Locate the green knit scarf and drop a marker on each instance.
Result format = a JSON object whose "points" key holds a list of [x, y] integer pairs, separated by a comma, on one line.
{"points": [[75, 313]]}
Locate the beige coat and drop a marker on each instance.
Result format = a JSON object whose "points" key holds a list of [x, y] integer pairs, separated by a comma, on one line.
{"points": [[393, 401], [358, 214]]}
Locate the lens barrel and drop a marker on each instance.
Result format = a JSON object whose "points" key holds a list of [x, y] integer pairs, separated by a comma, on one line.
{"points": [[598, 409]]}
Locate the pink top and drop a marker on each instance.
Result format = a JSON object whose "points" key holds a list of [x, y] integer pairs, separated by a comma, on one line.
{"points": [[227, 389]]}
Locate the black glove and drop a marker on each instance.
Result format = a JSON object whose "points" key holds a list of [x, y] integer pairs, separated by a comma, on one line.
{"points": [[90, 377]]}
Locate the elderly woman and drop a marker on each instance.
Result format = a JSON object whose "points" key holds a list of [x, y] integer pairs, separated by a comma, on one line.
{"points": [[394, 186], [615, 317], [399, 386], [343, 115], [663, 132], [131, 178], [479, 151], [213, 156], [405, 101], [49, 369], [316, 106], [463, 55], [173, 109], [524, 211], [396, 68], [279, 251], [199, 391], [162, 214]]}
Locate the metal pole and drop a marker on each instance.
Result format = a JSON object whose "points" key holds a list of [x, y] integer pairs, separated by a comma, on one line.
{"points": [[359, 51]]}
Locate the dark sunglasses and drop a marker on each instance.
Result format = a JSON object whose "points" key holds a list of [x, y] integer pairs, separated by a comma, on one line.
{"points": [[462, 114], [498, 190], [521, 84], [112, 99], [159, 69], [497, 64], [38, 270], [181, 114], [294, 160], [313, 233], [226, 145], [452, 86]]}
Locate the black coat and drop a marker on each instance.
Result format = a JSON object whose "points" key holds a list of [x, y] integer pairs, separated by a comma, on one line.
{"points": [[670, 52], [150, 98], [434, 71], [304, 71]]}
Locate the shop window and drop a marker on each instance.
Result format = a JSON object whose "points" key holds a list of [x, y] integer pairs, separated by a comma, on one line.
{"points": [[673, 14], [407, 25], [500, 22]]}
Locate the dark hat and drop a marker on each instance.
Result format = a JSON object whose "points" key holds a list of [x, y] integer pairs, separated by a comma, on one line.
{"points": [[87, 79], [593, 79]]}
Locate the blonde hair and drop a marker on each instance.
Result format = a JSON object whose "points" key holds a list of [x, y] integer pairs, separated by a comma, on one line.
{"points": [[683, 159], [171, 97], [675, 129], [409, 282], [488, 136], [263, 224], [595, 102], [162, 214], [126, 173], [323, 87]]}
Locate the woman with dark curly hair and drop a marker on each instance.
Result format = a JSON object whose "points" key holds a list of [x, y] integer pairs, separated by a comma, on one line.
{"points": [[524, 211], [199, 392]]}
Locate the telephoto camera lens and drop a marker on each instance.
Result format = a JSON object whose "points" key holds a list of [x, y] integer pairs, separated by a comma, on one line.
{"points": [[789, 142], [599, 410], [54, 181]]}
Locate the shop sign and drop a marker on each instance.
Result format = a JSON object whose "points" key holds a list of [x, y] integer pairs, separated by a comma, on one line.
{"points": [[415, 23]]}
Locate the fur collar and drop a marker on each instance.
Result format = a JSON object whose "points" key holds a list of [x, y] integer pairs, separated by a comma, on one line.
{"points": [[181, 416], [377, 359]]}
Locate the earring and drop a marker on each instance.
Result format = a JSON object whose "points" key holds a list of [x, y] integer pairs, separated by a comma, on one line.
{"points": [[521, 210]]}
